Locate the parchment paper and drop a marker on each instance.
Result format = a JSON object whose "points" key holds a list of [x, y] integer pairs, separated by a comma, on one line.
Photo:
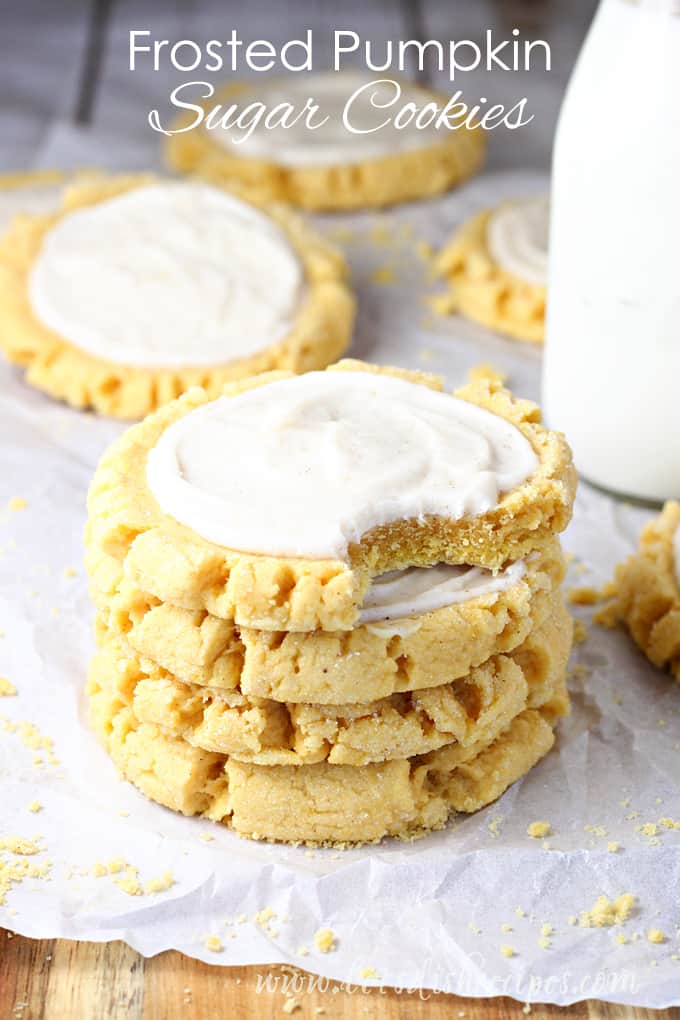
{"points": [[425, 914]]}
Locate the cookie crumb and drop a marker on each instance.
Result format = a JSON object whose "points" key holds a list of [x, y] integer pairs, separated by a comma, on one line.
{"points": [[7, 689], [384, 275], [156, 885], [213, 943], [655, 935], [129, 883], [368, 972], [539, 830], [70, 572], [324, 940], [605, 913], [613, 847], [584, 595], [16, 504], [507, 951], [495, 826], [580, 632], [35, 806]]}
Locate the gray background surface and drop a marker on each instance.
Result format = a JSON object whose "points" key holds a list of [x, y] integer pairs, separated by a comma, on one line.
{"points": [[68, 60]]}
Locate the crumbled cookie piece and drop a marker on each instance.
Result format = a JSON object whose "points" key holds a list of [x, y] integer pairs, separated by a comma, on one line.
{"points": [[213, 943], [539, 830], [324, 940], [655, 935], [507, 951], [16, 504], [384, 275], [605, 912], [160, 884], [7, 689]]}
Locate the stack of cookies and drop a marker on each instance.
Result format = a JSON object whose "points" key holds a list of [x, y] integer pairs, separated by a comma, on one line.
{"points": [[329, 606]]}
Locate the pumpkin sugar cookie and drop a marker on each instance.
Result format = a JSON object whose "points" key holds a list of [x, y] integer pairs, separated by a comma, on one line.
{"points": [[496, 268], [647, 587], [370, 470], [323, 803], [473, 710], [387, 654], [327, 166], [177, 284]]}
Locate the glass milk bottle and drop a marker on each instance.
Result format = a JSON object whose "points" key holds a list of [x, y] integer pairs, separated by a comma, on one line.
{"points": [[611, 377]]}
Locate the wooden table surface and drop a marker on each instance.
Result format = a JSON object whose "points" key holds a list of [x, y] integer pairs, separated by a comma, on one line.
{"points": [[59, 980]]}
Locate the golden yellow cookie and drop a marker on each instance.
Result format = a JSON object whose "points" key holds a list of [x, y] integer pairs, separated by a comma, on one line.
{"points": [[472, 710], [320, 333], [364, 664], [647, 592], [323, 803], [405, 175], [177, 566], [482, 290]]}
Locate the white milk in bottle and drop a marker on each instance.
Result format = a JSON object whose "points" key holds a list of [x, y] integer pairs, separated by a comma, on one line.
{"points": [[612, 361]]}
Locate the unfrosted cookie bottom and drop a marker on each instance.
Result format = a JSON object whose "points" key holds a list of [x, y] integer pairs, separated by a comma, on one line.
{"points": [[324, 667], [472, 710], [482, 290], [647, 596], [323, 803]]}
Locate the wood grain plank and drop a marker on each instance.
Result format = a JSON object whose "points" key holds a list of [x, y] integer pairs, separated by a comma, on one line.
{"points": [[95, 979], [60, 980], [24, 976]]}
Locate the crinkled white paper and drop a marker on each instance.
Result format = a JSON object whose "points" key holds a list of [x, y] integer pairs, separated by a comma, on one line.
{"points": [[425, 914]]}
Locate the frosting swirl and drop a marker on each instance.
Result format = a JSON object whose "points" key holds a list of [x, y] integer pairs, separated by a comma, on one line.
{"points": [[305, 466], [165, 275], [517, 236]]}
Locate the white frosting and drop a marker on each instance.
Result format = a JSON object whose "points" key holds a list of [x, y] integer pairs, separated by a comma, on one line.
{"points": [[419, 590], [307, 465], [517, 236], [166, 275], [330, 143], [33, 199], [676, 554]]}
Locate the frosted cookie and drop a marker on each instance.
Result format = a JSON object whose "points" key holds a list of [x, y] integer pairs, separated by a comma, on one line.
{"points": [[648, 590], [139, 288], [482, 615], [496, 269], [323, 803], [340, 476], [328, 166], [473, 710]]}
